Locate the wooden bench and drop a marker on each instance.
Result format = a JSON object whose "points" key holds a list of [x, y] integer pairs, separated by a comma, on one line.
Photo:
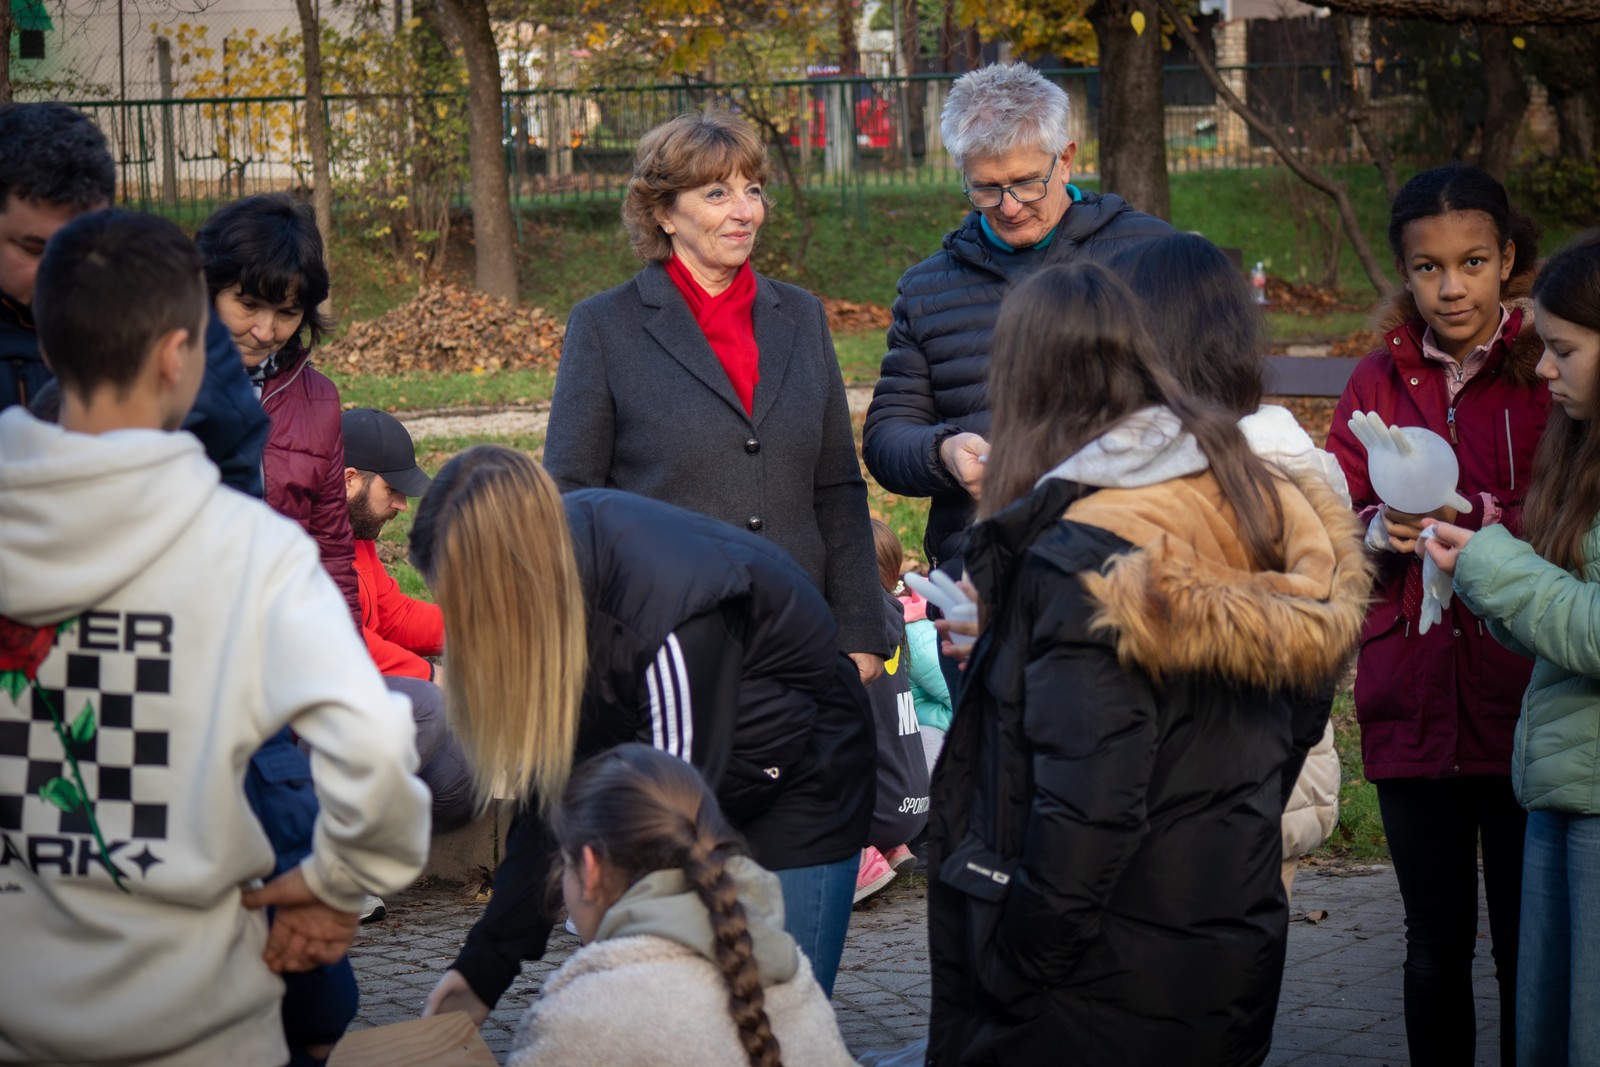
{"points": [[1307, 375]]}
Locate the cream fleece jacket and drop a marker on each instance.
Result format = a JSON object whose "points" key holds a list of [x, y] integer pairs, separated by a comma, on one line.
{"points": [[646, 994]]}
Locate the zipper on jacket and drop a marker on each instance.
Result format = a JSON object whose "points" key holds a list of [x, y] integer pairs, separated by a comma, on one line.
{"points": [[1450, 419], [1511, 452]]}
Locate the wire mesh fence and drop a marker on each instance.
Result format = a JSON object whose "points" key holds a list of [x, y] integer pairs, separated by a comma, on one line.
{"points": [[183, 156]]}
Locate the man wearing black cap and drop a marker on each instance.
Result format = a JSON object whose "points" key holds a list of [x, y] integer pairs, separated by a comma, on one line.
{"points": [[380, 473]]}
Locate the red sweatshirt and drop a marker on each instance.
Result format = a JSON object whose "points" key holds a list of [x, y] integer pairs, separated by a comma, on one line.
{"points": [[398, 629]]}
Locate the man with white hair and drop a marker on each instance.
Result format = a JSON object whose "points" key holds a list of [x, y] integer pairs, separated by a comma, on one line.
{"points": [[1005, 126]]}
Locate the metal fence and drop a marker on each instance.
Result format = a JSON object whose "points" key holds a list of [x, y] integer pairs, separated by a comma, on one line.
{"points": [[183, 156]]}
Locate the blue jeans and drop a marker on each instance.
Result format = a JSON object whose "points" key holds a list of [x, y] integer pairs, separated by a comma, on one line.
{"points": [[1559, 959], [816, 912]]}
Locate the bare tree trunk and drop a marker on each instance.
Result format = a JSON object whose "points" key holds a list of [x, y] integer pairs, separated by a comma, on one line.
{"points": [[1133, 151], [1359, 113], [844, 13], [317, 127], [911, 48], [5, 53], [1575, 124], [947, 37], [493, 235], [1507, 99], [1280, 144]]}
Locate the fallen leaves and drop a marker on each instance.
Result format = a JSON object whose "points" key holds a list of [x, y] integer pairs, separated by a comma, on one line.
{"points": [[1305, 299], [1313, 413], [449, 329], [845, 316]]}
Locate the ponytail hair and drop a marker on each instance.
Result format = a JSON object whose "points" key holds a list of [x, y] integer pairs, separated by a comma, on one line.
{"points": [[492, 542], [1565, 495], [642, 810]]}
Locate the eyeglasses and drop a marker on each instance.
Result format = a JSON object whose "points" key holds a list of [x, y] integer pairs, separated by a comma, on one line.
{"points": [[988, 196]]}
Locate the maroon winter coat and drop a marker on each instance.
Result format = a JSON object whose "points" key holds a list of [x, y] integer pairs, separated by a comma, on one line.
{"points": [[1445, 704], [303, 466]]}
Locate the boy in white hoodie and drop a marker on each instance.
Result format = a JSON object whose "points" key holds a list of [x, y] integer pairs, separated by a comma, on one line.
{"points": [[155, 629]]}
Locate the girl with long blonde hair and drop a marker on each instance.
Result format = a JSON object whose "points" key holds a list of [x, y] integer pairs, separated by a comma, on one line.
{"points": [[585, 621]]}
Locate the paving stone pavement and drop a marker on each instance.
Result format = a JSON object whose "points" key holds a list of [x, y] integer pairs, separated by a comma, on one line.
{"points": [[1340, 1005]]}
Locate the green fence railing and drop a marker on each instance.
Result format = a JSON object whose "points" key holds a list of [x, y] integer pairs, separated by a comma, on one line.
{"points": [[183, 156]]}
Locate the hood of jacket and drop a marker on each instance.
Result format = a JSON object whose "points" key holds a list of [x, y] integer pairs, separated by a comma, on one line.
{"points": [[1147, 447], [61, 492], [663, 904], [1188, 598], [1397, 318]]}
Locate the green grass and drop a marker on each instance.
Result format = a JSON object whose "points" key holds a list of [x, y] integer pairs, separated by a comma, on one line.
{"points": [[1284, 328], [422, 391], [1359, 836], [860, 356]]}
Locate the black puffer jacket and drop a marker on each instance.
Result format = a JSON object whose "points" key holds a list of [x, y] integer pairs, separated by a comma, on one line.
{"points": [[1104, 831], [787, 745], [933, 378]]}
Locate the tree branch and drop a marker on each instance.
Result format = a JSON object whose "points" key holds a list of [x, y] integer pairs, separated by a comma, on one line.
{"points": [[1291, 159], [1491, 12], [1359, 113]]}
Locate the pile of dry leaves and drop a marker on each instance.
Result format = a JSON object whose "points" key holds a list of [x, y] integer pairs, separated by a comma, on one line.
{"points": [[1305, 299], [847, 317], [448, 328]]}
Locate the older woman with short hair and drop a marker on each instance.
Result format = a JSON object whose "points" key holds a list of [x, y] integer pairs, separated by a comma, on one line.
{"points": [[701, 383]]}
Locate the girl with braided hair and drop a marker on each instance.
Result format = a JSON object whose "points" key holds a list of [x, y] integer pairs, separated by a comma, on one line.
{"points": [[678, 925]]}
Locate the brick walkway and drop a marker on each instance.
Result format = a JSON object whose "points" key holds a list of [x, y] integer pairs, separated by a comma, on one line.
{"points": [[1340, 1005]]}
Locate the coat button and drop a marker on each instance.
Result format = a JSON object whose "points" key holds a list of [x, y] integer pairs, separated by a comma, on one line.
{"points": [[1457, 631], [754, 522], [752, 446], [1413, 381]]}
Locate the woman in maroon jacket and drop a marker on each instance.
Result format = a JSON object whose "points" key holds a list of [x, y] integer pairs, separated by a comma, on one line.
{"points": [[267, 275], [1437, 710]]}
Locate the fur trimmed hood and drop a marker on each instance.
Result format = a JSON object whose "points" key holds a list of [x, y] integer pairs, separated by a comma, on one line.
{"points": [[1189, 600], [1400, 308]]}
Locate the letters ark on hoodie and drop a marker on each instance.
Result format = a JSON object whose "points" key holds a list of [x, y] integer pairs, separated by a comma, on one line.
{"points": [[93, 737]]}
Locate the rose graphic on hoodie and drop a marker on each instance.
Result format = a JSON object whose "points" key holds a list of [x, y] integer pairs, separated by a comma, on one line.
{"points": [[23, 649]]}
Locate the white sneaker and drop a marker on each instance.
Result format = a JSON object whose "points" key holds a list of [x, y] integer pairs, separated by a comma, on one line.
{"points": [[372, 909]]}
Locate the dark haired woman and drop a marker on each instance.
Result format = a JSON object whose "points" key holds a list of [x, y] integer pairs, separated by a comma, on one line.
{"points": [[267, 275], [1438, 710], [704, 384], [1105, 816], [681, 930]]}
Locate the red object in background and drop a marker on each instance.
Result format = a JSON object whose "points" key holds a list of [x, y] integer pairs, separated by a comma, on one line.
{"points": [[873, 129]]}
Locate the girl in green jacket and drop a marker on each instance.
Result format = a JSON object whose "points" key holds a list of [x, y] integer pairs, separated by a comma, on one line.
{"points": [[1542, 598]]}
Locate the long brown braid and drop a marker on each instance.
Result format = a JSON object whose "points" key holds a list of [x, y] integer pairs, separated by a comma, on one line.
{"points": [[642, 810]]}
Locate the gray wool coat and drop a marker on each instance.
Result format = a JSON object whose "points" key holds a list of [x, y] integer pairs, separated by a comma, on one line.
{"points": [[643, 404]]}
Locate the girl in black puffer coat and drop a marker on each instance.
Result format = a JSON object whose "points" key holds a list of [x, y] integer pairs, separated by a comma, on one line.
{"points": [[1104, 835]]}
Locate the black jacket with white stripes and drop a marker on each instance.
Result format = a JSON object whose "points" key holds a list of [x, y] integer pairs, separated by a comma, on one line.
{"points": [[710, 643]]}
